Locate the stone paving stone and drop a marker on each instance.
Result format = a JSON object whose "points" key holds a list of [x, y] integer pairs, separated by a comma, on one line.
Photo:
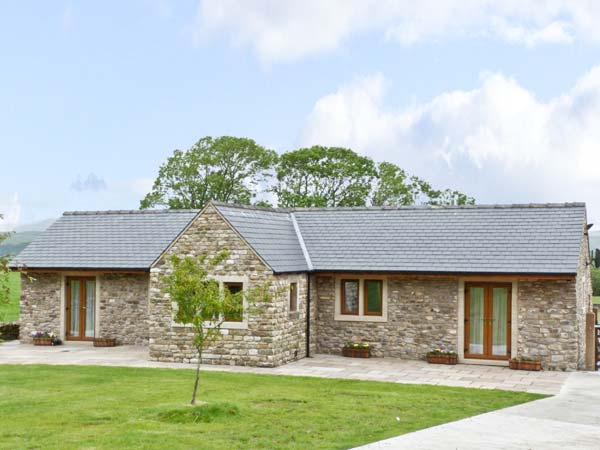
{"points": [[326, 366]]}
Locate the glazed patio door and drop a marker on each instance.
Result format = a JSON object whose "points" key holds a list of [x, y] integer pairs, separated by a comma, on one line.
{"points": [[487, 320], [81, 308]]}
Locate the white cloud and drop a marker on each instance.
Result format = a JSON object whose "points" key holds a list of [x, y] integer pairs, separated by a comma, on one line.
{"points": [[92, 183], [496, 142], [289, 30], [10, 210]]}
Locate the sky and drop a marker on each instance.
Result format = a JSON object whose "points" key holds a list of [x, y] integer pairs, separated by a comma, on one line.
{"points": [[498, 99]]}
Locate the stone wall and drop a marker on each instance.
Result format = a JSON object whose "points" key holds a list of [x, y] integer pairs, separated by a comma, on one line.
{"points": [[584, 295], [271, 336], [548, 323], [124, 308], [290, 338], [422, 314], [40, 304]]}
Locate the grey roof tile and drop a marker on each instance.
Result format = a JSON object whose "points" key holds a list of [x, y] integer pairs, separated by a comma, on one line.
{"points": [[544, 238], [105, 240]]}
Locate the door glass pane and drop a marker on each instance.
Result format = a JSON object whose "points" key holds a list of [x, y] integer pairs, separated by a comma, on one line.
{"points": [[499, 321], [373, 289], [90, 295], [74, 309], [476, 301], [350, 305]]}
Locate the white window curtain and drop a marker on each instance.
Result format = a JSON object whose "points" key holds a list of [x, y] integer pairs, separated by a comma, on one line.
{"points": [[476, 301], [499, 325]]}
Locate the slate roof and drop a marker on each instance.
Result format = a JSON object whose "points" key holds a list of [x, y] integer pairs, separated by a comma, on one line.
{"points": [[270, 233], [105, 240], [482, 239]]}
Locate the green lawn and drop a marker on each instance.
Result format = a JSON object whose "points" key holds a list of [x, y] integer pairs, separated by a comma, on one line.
{"points": [[10, 312], [596, 300], [63, 407]]}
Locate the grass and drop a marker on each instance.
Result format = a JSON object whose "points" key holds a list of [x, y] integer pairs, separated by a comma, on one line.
{"points": [[9, 312], [596, 300], [62, 407]]}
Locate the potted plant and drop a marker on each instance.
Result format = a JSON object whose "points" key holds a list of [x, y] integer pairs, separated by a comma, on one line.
{"points": [[45, 338], [525, 363], [356, 350], [105, 342], [440, 356]]}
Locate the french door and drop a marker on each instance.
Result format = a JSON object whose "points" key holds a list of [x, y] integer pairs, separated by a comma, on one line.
{"points": [[81, 308], [487, 320]]}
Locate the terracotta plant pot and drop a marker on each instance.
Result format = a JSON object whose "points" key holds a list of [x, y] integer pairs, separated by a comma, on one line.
{"points": [[42, 341], [105, 342], [442, 359], [356, 352], [516, 364]]}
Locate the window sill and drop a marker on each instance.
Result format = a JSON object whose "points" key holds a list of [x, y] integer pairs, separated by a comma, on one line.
{"points": [[360, 318]]}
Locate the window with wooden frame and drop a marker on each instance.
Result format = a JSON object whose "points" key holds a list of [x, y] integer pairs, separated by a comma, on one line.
{"points": [[373, 297], [293, 297], [349, 297], [236, 314]]}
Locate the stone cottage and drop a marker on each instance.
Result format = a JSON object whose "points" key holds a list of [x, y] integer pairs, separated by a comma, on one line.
{"points": [[488, 281]]}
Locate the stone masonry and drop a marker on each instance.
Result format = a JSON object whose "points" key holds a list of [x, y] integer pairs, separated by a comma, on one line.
{"points": [[272, 336], [124, 308], [40, 305], [422, 314]]}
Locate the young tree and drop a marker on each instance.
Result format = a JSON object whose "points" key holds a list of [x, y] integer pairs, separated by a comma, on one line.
{"points": [[4, 273], [202, 304], [323, 176], [227, 169]]}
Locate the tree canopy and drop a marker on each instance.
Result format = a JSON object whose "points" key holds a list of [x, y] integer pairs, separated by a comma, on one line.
{"points": [[227, 169], [237, 170], [324, 176], [4, 272]]}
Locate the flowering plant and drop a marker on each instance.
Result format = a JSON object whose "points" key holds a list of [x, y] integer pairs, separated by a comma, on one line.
{"points": [[356, 345], [46, 335], [42, 334], [440, 351]]}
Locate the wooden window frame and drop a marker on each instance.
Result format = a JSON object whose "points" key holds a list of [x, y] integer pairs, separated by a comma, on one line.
{"points": [[488, 287], [82, 289], [366, 311], [293, 300], [343, 310]]}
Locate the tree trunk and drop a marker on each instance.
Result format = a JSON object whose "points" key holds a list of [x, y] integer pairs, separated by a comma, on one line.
{"points": [[199, 350]]}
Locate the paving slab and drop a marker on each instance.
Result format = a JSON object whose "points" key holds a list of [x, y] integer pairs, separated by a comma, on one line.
{"points": [[328, 366], [569, 420]]}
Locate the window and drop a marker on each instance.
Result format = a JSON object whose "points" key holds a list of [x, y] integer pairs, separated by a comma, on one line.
{"points": [[361, 299], [350, 297], [293, 297], [237, 311], [373, 297]]}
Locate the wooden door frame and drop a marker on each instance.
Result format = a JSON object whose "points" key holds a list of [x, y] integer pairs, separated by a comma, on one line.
{"points": [[82, 308], [488, 315]]}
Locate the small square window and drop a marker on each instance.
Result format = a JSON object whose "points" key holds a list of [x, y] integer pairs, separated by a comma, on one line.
{"points": [[373, 297], [350, 297], [293, 297], [237, 311]]}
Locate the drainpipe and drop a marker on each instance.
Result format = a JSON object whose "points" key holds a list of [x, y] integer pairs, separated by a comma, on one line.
{"points": [[307, 314]]}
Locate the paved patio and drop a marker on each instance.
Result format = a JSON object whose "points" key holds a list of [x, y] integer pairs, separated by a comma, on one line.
{"points": [[326, 366]]}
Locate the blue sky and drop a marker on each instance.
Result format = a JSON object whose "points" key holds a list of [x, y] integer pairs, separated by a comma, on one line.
{"points": [[501, 101]]}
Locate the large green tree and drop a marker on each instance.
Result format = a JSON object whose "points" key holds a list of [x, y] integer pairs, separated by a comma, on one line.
{"points": [[395, 186], [226, 168], [323, 176]]}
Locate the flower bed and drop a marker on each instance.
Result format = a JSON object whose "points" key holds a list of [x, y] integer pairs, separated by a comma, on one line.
{"points": [[356, 350], [525, 364], [439, 356], [105, 342], [45, 338]]}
